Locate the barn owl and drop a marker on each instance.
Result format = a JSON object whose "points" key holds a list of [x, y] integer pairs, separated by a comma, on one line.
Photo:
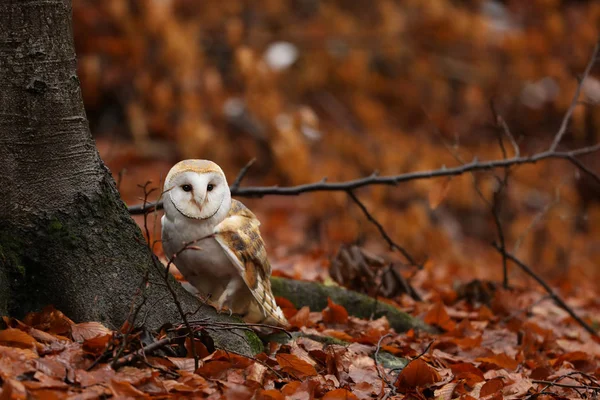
{"points": [[228, 261]]}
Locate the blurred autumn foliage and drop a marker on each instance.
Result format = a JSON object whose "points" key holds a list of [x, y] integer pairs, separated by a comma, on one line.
{"points": [[339, 89]]}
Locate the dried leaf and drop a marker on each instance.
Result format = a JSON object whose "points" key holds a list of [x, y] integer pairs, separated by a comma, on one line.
{"points": [[437, 315], [340, 394], [88, 330], [493, 386], [417, 374], [269, 395], [124, 389], [295, 366], [17, 338], [500, 360], [334, 313]]}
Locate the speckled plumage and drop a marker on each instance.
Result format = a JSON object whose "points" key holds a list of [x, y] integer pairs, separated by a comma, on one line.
{"points": [[231, 264]]}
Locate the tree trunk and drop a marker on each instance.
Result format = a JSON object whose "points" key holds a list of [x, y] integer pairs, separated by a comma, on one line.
{"points": [[66, 238]]}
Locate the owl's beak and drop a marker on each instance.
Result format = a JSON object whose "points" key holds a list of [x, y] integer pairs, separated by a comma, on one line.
{"points": [[197, 203]]}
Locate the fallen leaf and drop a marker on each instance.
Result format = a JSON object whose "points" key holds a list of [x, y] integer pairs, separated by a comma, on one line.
{"points": [[437, 315], [12, 389], [493, 386], [334, 313], [294, 366], [500, 360], [124, 389], [271, 394], [97, 344], [88, 330], [417, 374], [17, 338], [301, 318], [340, 394]]}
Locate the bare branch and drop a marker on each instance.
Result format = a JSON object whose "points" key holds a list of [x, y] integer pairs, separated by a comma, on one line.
{"points": [[242, 174], [393, 245], [548, 289], [392, 180], [574, 102]]}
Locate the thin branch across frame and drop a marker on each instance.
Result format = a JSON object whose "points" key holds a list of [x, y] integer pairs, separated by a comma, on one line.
{"points": [[392, 180]]}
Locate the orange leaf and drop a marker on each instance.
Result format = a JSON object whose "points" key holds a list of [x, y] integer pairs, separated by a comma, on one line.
{"points": [[491, 387], [340, 394], [49, 320], [88, 330], [334, 313], [288, 308], [97, 344], [301, 318], [124, 389], [17, 338], [437, 315], [417, 374], [501, 360], [295, 366], [271, 394]]}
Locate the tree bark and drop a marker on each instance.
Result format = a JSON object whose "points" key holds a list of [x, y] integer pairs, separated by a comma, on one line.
{"points": [[66, 238]]}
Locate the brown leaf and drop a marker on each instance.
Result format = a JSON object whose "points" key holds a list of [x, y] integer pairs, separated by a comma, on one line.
{"points": [[96, 345], [301, 318], [124, 389], [50, 320], [98, 376], [468, 372], [214, 369], [184, 363], [294, 366], [88, 330], [492, 386], [271, 394], [501, 360], [174, 386], [340, 394], [13, 390], [17, 338], [437, 315], [256, 373], [417, 374], [288, 308], [334, 313]]}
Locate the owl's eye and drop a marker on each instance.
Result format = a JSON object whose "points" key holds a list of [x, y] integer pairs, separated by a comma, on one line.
{"points": [[210, 187], [186, 188]]}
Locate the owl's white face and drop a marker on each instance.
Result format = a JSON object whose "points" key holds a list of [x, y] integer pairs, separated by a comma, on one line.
{"points": [[197, 189]]}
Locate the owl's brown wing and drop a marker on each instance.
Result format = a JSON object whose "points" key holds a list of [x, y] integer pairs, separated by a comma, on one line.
{"points": [[239, 236]]}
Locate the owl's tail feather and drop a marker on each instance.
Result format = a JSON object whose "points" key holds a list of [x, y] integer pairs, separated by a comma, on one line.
{"points": [[266, 313]]}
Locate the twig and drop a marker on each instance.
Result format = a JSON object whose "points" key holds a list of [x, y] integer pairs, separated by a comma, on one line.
{"points": [[548, 289], [554, 382], [585, 169], [416, 358], [381, 375], [241, 175], [574, 101], [392, 180], [393, 245], [143, 351], [564, 385]]}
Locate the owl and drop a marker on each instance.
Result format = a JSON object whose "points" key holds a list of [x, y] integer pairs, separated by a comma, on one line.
{"points": [[228, 261]]}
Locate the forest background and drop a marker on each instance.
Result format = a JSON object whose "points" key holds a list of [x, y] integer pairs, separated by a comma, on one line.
{"points": [[342, 89]]}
